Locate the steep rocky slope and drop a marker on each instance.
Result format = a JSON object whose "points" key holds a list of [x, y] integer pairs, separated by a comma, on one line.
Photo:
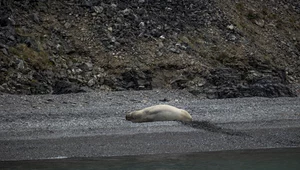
{"points": [[218, 49]]}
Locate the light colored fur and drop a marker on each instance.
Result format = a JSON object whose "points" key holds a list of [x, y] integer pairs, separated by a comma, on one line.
{"points": [[159, 113]]}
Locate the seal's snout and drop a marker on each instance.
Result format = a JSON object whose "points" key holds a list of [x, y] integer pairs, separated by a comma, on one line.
{"points": [[128, 117]]}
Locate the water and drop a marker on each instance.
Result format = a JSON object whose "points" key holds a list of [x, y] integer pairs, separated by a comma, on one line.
{"points": [[287, 159]]}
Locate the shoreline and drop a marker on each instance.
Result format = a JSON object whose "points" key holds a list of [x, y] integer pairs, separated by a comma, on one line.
{"points": [[89, 125]]}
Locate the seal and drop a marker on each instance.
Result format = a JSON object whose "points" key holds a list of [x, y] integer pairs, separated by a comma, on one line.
{"points": [[159, 113]]}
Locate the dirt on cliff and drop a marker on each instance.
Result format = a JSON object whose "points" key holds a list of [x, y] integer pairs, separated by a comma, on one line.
{"points": [[216, 49]]}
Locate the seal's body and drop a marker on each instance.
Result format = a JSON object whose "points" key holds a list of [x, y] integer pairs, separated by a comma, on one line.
{"points": [[159, 113]]}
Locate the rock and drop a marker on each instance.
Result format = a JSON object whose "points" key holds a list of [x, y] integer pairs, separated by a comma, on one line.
{"points": [[4, 51], [113, 6], [98, 9], [164, 100], [260, 22], [232, 37], [3, 46], [64, 86], [20, 65], [87, 3], [12, 38], [160, 45], [174, 50], [2, 89], [110, 29], [142, 25], [67, 25], [228, 83], [224, 76], [162, 37], [11, 21], [231, 27], [182, 46], [270, 90], [7, 20], [38, 88], [137, 80], [91, 82], [126, 11], [86, 66], [36, 17], [105, 88]]}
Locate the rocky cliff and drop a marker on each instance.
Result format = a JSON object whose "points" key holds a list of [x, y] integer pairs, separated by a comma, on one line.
{"points": [[219, 49]]}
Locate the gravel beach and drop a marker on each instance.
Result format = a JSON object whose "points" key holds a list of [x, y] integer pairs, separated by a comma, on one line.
{"points": [[93, 125]]}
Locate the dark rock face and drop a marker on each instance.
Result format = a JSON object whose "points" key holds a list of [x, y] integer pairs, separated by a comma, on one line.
{"points": [[134, 80], [7, 32], [211, 48], [224, 77], [261, 90], [121, 23], [63, 87], [229, 83]]}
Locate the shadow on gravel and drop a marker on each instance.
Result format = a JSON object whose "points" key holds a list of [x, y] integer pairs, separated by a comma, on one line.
{"points": [[208, 126]]}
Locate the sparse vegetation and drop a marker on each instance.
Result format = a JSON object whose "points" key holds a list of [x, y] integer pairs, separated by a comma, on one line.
{"points": [[240, 6], [37, 59], [252, 15]]}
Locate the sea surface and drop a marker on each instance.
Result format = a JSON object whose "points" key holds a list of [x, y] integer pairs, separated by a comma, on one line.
{"points": [[273, 159]]}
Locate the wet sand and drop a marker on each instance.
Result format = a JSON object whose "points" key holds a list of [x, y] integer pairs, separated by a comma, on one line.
{"points": [[94, 125]]}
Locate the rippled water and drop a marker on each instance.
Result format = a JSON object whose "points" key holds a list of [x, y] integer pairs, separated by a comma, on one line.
{"points": [[287, 159]]}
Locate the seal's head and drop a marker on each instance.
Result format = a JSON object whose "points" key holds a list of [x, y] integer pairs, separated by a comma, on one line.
{"points": [[136, 116], [129, 116]]}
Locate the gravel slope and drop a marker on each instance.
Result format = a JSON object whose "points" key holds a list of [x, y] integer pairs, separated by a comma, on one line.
{"points": [[93, 125]]}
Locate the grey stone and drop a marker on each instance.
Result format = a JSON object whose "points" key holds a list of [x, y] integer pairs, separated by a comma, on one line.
{"points": [[142, 25], [67, 25], [36, 17], [3, 46], [113, 6], [87, 66], [91, 82], [20, 64], [2, 89], [64, 86], [174, 50], [231, 27], [260, 22], [4, 51], [126, 11], [98, 9], [12, 38], [12, 21], [87, 3]]}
